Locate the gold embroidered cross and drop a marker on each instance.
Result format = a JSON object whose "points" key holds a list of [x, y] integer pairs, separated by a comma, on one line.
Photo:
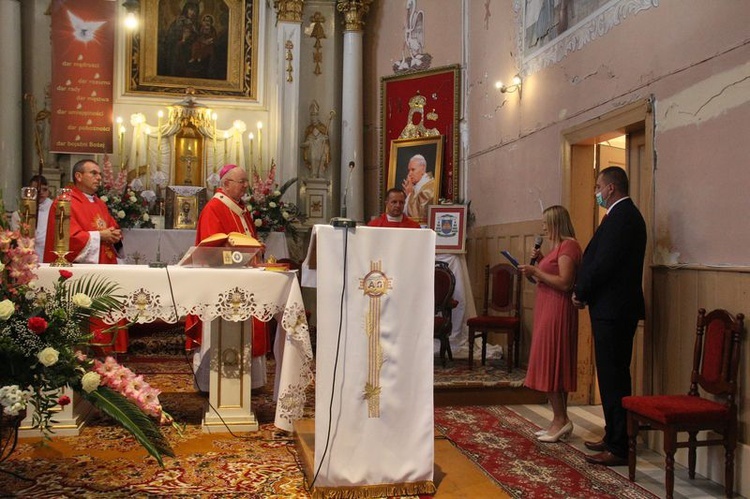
{"points": [[375, 284]]}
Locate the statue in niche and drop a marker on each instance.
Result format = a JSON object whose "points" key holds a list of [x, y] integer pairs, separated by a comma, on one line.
{"points": [[316, 147]]}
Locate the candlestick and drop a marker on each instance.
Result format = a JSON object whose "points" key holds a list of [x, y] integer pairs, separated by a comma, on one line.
{"points": [[159, 115], [260, 147], [226, 140], [215, 117], [252, 165], [120, 134]]}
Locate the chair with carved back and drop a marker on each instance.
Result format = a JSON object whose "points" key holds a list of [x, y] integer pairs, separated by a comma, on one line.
{"points": [[502, 293], [716, 357], [445, 285]]}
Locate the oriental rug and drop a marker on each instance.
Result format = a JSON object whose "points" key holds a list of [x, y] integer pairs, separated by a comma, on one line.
{"points": [[504, 446]]}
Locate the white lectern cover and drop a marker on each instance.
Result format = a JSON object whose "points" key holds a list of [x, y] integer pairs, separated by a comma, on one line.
{"points": [[382, 424]]}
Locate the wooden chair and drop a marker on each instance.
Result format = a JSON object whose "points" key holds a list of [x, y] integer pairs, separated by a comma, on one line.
{"points": [[502, 293], [445, 285], [715, 365]]}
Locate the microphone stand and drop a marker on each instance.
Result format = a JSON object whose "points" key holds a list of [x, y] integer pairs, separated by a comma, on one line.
{"points": [[343, 221]]}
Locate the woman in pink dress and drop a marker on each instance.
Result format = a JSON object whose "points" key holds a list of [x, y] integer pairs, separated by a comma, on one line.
{"points": [[554, 342]]}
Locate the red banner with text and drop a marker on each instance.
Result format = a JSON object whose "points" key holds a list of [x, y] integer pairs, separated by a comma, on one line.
{"points": [[83, 40]]}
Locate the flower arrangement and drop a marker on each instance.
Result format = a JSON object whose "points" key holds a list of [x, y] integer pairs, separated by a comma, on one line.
{"points": [[43, 340], [123, 202], [270, 213]]}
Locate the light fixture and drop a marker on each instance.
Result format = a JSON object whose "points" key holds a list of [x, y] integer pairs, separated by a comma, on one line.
{"points": [[132, 7], [516, 86]]}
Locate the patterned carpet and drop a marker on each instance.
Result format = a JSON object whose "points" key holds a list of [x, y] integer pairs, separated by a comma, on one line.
{"points": [[105, 461], [503, 444]]}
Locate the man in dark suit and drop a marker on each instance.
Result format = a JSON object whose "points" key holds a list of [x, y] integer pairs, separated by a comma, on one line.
{"points": [[610, 283]]}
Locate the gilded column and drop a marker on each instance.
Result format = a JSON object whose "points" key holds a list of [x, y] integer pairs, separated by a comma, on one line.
{"points": [[352, 122], [11, 102], [288, 36]]}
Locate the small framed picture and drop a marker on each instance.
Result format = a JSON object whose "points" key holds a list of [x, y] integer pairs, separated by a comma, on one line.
{"points": [[184, 204], [449, 223], [416, 166]]}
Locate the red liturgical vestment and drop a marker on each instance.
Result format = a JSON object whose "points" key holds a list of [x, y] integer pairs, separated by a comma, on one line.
{"points": [[87, 215], [382, 221], [222, 214]]}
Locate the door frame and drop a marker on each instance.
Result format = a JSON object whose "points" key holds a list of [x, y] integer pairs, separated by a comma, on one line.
{"points": [[635, 117]]}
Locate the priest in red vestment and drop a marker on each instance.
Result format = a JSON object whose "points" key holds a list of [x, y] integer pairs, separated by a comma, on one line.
{"points": [[94, 233], [395, 199], [225, 212]]}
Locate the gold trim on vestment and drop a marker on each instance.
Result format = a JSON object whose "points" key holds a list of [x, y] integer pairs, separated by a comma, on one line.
{"points": [[374, 285], [382, 490]]}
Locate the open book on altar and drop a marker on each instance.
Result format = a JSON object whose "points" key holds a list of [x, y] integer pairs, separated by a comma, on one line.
{"points": [[223, 250], [232, 239]]}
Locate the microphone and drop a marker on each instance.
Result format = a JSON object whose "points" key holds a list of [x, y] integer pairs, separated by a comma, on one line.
{"points": [[342, 221], [537, 245]]}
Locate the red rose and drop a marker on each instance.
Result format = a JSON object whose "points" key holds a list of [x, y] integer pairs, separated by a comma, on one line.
{"points": [[37, 324], [63, 401], [66, 274]]}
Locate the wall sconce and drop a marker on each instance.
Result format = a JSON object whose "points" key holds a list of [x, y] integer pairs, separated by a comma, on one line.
{"points": [[516, 86], [132, 7]]}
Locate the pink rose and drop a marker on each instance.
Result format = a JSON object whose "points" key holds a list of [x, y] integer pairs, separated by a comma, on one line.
{"points": [[37, 324]]}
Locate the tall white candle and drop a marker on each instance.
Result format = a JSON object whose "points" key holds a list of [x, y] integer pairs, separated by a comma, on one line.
{"points": [[260, 147], [159, 115]]}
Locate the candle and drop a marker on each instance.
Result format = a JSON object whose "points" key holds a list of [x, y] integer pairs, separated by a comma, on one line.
{"points": [[260, 147], [215, 117], [252, 165], [226, 141], [120, 134], [147, 132], [159, 115]]}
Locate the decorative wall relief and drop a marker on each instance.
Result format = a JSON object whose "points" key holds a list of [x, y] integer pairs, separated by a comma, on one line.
{"points": [[317, 31], [548, 30], [413, 56]]}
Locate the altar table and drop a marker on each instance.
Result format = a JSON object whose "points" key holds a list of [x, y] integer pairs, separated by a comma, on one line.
{"points": [[234, 295], [141, 246]]}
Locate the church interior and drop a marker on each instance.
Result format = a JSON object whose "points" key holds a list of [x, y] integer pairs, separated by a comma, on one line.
{"points": [[514, 105]]}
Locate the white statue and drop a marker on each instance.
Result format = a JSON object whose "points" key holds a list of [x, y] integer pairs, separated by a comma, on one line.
{"points": [[316, 148]]}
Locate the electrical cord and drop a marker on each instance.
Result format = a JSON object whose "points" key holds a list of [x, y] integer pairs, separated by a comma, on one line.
{"points": [[189, 362], [335, 361]]}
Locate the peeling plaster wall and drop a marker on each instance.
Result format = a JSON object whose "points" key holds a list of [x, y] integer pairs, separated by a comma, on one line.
{"points": [[691, 55]]}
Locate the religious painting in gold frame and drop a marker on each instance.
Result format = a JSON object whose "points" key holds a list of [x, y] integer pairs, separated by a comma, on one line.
{"points": [[210, 46], [183, 206]]}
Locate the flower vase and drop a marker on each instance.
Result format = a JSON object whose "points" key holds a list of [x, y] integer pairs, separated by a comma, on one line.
{"points": [[9, 433]]}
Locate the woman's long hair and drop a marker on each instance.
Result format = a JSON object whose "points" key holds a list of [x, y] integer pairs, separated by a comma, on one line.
{"points": [[558, 223]]}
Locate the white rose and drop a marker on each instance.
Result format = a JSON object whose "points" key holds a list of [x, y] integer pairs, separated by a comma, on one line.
{"points": [[81, 300], [133, 199], [272, 205], [6, 309], [104, 198], [258, 222], [145, 217], [285, 215], [277, 193], [120, 214], [48, 356], [90, 381], [2, 266]]}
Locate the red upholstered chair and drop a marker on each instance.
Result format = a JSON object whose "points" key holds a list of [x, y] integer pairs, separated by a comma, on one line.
{"points": [[445, 284], [715, 364], [502, 293]]}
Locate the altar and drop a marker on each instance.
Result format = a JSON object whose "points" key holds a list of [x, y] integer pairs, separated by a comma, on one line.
{"points": [[144, 246], [233, 296]]}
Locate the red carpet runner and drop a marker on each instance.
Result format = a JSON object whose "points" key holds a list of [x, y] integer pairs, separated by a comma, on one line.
{"points": [[503, 444]]}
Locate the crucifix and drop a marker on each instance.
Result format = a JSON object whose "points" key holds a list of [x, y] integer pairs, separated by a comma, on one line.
{"points": [[187, 160]]}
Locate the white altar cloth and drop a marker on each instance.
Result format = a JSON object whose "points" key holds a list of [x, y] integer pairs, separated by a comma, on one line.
{"points": [[233, 294], [374, 379]]}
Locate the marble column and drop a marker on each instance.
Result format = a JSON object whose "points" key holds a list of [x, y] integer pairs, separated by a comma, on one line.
{"points": [[352, 121], [11, 103], [288, 40]]}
